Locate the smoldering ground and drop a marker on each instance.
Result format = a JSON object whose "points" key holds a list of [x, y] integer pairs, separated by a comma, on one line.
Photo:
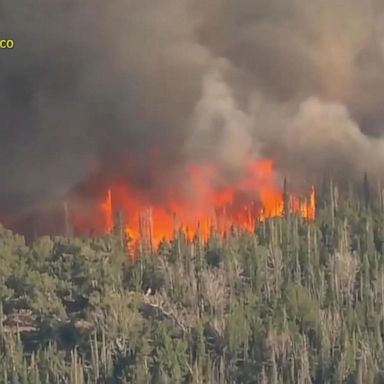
{"points": [[114, 89]]}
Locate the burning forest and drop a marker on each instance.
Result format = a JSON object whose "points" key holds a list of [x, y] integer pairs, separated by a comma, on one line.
{"points": [[192, 112], [197, 206], [191, 191]]}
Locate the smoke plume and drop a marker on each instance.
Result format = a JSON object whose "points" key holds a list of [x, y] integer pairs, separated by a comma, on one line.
{"points": [[96, 90]]}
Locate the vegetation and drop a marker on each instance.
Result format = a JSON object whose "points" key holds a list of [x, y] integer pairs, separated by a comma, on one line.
{"points": [[295, 302]]}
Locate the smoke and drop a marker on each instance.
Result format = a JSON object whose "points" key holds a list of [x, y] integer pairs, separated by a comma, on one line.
{"points": [[120, 88], [220, 130]]}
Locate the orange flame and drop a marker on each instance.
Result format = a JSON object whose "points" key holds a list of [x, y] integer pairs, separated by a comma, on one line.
{"points": [[205, 205]]}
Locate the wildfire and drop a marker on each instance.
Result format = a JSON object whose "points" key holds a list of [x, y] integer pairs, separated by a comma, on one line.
{"points": [[107, 210], [202, 205]]}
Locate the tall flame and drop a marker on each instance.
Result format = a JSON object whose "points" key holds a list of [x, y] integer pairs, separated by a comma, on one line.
{"points": [[252, 198]]}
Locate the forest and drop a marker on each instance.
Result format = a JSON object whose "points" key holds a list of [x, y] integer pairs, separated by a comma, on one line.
{"points": [[296, 301]]}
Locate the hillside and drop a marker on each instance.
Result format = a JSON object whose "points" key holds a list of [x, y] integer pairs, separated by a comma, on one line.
{"points": [[297, 301]]}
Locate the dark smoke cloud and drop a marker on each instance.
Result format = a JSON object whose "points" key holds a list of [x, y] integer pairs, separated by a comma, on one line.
{"points": [[119, 88]]}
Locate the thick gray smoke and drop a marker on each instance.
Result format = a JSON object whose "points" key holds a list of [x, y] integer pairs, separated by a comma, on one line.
{"points": [[119, 88]]}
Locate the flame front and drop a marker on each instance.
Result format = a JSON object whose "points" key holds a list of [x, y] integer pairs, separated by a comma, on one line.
{"points": [[252, 198]]}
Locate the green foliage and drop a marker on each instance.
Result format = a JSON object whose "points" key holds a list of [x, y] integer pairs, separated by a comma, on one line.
{"points": [[294, 302]]}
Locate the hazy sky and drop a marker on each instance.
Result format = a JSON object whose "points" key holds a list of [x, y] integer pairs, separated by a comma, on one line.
{"points": [[117, 87]]}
